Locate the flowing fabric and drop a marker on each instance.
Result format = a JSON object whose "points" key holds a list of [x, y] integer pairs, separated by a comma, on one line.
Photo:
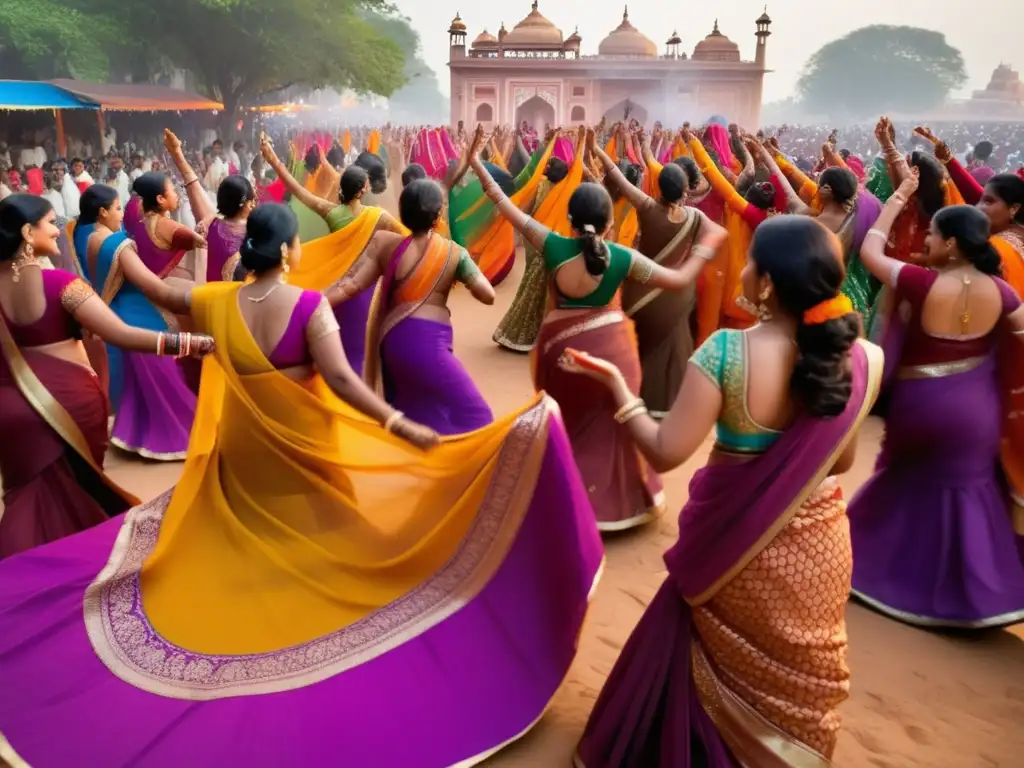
{"points": [[624, 490], [1010, 246], [326, 260], [859, 286], [940, 457], [412, 360], [626, 226], [95, 348], [740, 658], [155, 407], [53, 480], [227, 608]]}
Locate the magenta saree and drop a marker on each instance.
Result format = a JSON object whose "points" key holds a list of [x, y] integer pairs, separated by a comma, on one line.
{"points": [[740, 657]]}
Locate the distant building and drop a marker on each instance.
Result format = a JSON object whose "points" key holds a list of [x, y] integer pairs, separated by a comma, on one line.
{"points": [[535, 74], [1004, 90]]}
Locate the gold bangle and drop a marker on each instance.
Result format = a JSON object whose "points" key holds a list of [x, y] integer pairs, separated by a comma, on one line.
{"points": [[392, 420], [625, 411], [638, 411]]}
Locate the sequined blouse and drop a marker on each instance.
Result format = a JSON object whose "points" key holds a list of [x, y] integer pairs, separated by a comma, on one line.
{"points": [[723, 359], [65, 292]]}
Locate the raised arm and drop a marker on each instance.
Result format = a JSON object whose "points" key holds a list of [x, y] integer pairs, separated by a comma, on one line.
{"points": [[469, 274], [805, 187], [455, 174], [966, 184], [746, 176], [899, 171], [636, 197], [719, 183], [197, 199], [534, 232], [645, 270], [793, 202], [315, 203], [367, 270], [872, 252]]}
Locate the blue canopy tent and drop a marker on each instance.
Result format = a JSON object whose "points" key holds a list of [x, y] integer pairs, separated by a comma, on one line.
{"points": [[32, 95]]}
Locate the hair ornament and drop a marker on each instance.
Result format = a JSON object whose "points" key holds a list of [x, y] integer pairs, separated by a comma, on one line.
{"points": [[589, 229], [830, 309]]}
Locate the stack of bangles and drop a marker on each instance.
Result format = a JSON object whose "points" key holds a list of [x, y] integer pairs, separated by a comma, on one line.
{"points": [[392, 420], [174, 344], [630, 411]]}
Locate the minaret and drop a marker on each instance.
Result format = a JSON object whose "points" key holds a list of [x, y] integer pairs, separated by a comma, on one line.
{"points": [[763, 33], [457, 38]]}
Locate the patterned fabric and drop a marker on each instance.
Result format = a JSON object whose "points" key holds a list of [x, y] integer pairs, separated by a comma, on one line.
{"points": [[860, 286], [519, 327], [723, 359]]}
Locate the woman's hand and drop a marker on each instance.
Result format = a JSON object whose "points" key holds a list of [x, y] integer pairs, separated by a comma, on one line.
{"points": [[574, 361], [478, 141], [926, 133], [172, 142], [909, 185], [415, 434], [202, 345], [267, 150]]}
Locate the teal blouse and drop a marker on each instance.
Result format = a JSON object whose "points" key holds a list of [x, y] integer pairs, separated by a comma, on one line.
{"points": [[559, 251], [723, 359]]}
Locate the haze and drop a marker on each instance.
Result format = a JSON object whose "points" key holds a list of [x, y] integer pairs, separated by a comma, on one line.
{"points": [[987, 33]]}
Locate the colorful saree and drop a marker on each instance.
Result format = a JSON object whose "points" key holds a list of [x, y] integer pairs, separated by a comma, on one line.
{"points": [[53, 479], [860, 287], [309, 569], [327, 260], [411, 360], [740, 659], [624, 490], [95, 348], [1010, 246], [156, 406]]}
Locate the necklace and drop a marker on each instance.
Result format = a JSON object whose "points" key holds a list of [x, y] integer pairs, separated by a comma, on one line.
{"points": [[258, 299]]}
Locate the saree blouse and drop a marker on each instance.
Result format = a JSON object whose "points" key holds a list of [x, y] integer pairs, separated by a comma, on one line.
{"points": [[723, 359], [65, 292], [311, 319], [559, 251]]}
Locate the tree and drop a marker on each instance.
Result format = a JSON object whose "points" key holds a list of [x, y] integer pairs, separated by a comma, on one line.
{"points": [[420, 99], [881, 68], [47, 39]]}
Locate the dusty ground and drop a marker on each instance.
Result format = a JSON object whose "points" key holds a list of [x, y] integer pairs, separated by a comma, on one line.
{"points": [[919, 698]]}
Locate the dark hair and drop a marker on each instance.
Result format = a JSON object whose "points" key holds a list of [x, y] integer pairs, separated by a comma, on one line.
{"points": [[413, 172], [799, 254], [590, 210], [634, 173], [761, 194], [234, 192], [268, 228], [673, 183], [971, 230], [376, 170], [312, 159], [353, 182], [690, 168], [844, 153], [931, 194], [1009, 187], [420, 204], [16, 211], [77, 160], [502, 178], [556, 170], [97, 196], [149, 186], [336, 156], [841, 181], [983, 150]]}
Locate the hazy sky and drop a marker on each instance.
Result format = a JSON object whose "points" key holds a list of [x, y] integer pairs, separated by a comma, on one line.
{"points": [[987, 32]]}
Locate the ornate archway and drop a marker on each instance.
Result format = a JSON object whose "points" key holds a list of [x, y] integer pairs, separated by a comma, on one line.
{"points": [[626, 109], [536, 106]]}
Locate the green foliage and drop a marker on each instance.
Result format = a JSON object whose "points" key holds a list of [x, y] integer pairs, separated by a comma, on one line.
{"points": [[49, 39], [879, 69]]}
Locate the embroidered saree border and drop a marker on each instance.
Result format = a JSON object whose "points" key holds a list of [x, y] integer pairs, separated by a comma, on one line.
{"points": [[939, 370], [689, 230], [874, 374], [916, 619], [128, 645]]}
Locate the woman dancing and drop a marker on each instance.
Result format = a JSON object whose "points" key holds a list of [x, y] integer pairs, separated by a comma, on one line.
{"points": [[50, 399], [518, 329], [156, 406], [236, 199], [740, 659], [328, 260], [670, 234], [409, 344], [311, 568], [944, 423], [586, 272]]}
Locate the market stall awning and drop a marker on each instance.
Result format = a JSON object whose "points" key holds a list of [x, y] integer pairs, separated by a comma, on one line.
{"points": [[137, 97], [28, 94]]}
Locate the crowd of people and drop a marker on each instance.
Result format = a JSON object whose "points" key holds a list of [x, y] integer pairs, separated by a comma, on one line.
{"points": [[356, 538]]}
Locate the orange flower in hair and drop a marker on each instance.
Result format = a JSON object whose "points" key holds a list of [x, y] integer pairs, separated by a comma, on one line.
{"points": [[830, 309]]}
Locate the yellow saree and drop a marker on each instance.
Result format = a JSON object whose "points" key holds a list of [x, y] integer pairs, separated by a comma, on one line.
{"points": [[297, 516], [327, 259]]}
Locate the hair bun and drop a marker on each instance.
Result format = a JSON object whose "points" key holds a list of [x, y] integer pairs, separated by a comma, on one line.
{"points": [[590, 229]]}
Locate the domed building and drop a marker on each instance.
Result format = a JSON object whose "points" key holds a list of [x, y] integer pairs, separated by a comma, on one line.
{"points": [[533, 73], [1005, 88]]}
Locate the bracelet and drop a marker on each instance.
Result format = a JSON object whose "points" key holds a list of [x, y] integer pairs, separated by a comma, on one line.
{"points": [[704, 252], [187, 346], [640, 410], [899, 199], [392, 420], [161, 338], [192, 181], [876, 233], [627, 411]]}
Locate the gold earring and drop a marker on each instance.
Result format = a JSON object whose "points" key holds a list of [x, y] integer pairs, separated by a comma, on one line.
{"points": [[284, 260], [763, 314], [28, 254]]}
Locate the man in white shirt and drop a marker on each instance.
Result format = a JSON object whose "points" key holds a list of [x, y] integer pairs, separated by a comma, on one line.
{"points": [[69, 191], [54, 182], [121, 182]]}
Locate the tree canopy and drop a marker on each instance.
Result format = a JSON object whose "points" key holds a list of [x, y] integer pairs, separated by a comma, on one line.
{"points": [[49, 39], [882, 68]]}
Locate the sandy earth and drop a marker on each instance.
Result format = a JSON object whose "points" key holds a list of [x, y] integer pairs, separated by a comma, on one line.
{"points": [[919, 698]]}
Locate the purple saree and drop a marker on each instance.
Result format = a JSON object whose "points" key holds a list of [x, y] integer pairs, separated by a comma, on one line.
{"points": [[223, 239], [740, 657]]}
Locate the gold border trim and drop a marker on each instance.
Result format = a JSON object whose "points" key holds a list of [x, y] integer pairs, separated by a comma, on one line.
{"points": [[115, 275], [753, 740], [690, 230], [147, 454], [656, 510], [875, 363], [939, 370], [590, 324], [927, 622], [8, 757], [227, 272], [139, 532]]}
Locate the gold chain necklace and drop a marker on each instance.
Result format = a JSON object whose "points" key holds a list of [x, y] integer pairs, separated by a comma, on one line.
{"points": [[258, 299]]}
